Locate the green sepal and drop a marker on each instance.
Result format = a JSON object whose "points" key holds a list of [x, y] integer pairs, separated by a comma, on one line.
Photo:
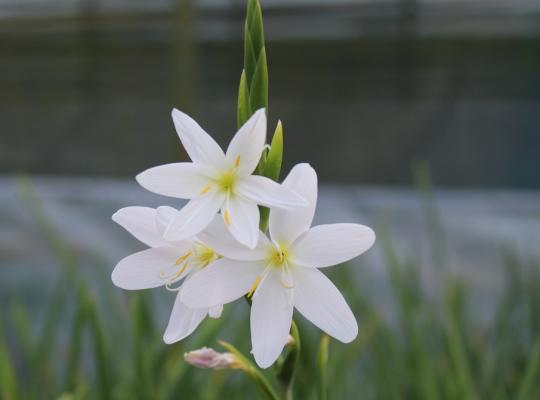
{"points": [[272, 166], [244, 108], [250, 57], [255, 25], [253, 39], [258, 90]]}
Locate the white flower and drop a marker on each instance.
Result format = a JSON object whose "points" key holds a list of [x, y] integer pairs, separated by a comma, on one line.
{"points": [[282, 274], [216, 181], [163, 264]]}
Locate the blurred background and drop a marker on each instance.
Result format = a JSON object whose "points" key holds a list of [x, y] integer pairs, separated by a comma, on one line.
{"points": [[420, 116]]}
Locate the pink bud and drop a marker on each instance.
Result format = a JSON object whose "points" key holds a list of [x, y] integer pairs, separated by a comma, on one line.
{"points": [[209, 358]]}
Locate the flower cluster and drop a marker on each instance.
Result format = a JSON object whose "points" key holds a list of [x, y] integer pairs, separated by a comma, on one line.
{"points": [[212, 252]]}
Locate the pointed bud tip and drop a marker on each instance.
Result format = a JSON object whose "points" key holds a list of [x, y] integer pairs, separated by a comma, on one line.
{"points": [[209, 358]]}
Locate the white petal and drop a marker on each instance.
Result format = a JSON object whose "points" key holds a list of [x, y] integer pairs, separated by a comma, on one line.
{"points": [[202, 149], [327, 245], [287, 225], [221, 282], [141, 223], [316, 297], [271, 317], [218, 237], [164, 216], [215, 312], [266, 192], [247, 145], [242, 219], [183, 321], [182, 180], [194, 217], [147, 269]]}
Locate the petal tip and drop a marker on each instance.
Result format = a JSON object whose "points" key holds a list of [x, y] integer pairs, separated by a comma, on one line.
{"points": [[140, 178], [349, 337], [263, 363], [116, 216], [116, 279], [170, 339]]}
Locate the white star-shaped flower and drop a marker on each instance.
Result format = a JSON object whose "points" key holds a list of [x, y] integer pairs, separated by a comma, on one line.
{"points": [[282, 273], [216, 181], [165, 263]]}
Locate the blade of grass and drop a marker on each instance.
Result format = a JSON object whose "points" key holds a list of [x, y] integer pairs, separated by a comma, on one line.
{"points": [[8, 378], [528, 389], [456, 346]]}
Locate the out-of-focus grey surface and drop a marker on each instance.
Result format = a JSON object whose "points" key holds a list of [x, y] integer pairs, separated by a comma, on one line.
{"points": [[364, 88], [478, 227]]}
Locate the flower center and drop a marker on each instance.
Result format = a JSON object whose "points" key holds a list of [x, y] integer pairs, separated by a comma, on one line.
{"points": [[204, 255], [227, 181], [199, 257], [279, 256]]}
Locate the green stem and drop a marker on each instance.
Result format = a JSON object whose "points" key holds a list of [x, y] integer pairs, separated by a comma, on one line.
{"points": [[288, 367], [322, 364], [252, 372]]}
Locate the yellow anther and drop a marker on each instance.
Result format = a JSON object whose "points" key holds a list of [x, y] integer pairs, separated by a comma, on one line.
{"points": [[182, 258], [205, 190], [254, 287], [237, 162], [227, 217]]}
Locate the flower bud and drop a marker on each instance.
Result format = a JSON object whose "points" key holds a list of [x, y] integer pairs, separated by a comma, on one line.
{"points": [[290, 341], [209, 358]]}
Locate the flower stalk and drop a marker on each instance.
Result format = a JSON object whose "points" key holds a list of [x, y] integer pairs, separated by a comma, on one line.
{"points": [[289, 366], [252, 372], [225, 244], [322, 363]]}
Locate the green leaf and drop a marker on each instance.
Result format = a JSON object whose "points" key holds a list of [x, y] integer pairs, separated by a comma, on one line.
{"points": [[258, 94], [244, 108]]}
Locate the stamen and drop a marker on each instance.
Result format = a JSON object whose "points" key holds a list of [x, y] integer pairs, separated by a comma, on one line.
{"points": [[181, 270], [205, 190], [227, 217], [237, 162], [254, 287], [183, 258]]}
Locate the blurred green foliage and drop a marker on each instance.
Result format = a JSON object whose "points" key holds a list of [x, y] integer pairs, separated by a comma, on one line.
{"points": [[435, 347]]}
